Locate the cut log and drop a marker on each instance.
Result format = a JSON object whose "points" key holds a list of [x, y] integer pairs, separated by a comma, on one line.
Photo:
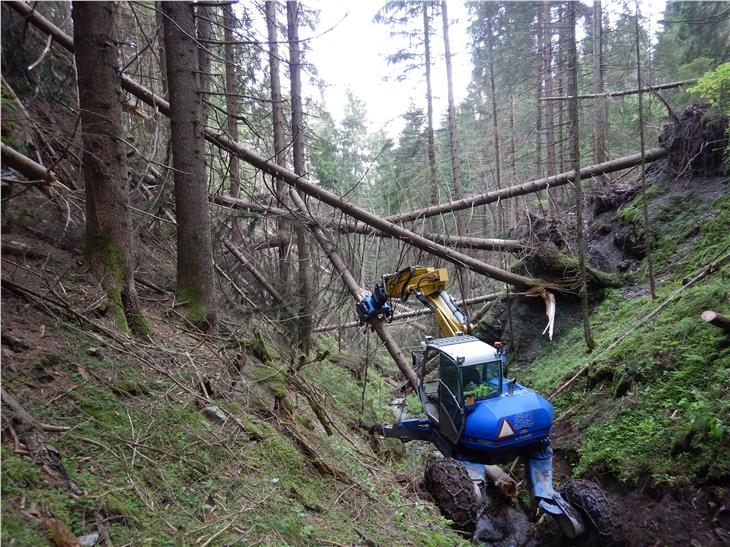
{"points": [[717, 320]]}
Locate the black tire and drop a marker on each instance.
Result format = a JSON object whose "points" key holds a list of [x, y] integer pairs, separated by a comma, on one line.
{"points": [[603, 525], [449, 484]]}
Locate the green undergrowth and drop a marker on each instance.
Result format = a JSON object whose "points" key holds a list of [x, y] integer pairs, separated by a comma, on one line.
{"points": [[158, 472], [657, 404]]}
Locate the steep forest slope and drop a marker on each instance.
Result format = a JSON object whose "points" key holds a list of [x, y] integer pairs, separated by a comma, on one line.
{"points": [[182, 438]]}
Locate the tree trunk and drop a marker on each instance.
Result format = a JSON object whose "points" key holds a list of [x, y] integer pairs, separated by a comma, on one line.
{"points": [[645, 207], [229, 22], [202, 23], [515, 205], [575, 145], [547, 70], [195, 274], [159, 18], [430, 140], [495, 132], [297, 121], [538, 93], [109, 244], [358, 293], [277, 113], [600, 105], [454, 145]]}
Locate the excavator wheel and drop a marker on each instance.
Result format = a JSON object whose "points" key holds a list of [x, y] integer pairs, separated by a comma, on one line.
{"points": [[603, 526], [449, 484]]}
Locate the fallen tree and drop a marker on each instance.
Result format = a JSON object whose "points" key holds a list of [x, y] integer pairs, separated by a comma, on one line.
{"points": [[623, 92], [344, 226], [294, 180], [531, 187]]}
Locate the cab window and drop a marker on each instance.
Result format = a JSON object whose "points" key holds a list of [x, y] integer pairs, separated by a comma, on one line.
{"points": [[482, 380]]}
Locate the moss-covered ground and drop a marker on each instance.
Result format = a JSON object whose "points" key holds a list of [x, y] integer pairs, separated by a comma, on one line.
{"points": [[658, 404], [155, 470]]}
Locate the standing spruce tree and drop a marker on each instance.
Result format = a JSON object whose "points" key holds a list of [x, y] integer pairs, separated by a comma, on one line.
{"points": [[572, 58], [277, 116], [109, 244], [195, 280], [297, 122]]}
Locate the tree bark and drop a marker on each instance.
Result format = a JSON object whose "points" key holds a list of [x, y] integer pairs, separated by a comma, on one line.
{"points": [[430, 140], [645, 203], [195, 274], [495, 131], [575, 146], [277, 112], [547, 71], [600, 106], [203, 27], [454, 146], [625, 92], [229, 54], [109, 244], [297, 121]]}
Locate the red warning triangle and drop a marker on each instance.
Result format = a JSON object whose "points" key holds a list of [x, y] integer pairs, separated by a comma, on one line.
{"points": [[505, 430]]}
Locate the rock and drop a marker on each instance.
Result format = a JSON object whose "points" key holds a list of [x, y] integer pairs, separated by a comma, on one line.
{"points": [[214, 413], [89, 540]]}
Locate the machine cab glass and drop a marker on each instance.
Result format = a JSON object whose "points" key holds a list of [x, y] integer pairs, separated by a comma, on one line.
{"points": [[481, 381]]}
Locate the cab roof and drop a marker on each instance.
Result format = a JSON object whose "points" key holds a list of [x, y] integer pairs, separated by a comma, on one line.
{"points": [[470, 348]]}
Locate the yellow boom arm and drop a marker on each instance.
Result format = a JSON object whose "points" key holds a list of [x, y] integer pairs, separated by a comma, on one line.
{"points": [[428, 285]]}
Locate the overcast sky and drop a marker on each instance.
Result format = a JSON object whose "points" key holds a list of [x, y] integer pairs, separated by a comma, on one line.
{"points": [[352, 54]]}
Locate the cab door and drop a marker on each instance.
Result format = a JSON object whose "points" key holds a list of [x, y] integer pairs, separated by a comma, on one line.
{"points": [[451, 408]]}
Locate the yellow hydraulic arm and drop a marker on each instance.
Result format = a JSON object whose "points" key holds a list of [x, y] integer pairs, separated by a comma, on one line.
{"points": [[428, 285]]}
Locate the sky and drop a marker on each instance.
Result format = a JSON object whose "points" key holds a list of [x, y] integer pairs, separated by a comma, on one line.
{"points": [[351, 54]]}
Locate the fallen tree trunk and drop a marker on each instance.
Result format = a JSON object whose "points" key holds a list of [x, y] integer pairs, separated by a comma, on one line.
{"points": [[414, 313], [622, 93], [530, 187], [28, 167], [717, 320], [371, 219], [254, 271], [357, 292], [294, 180], [480, 243]]}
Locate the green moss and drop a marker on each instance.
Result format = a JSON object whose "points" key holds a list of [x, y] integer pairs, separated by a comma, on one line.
{"points": [[140, 325], [21, 532], [656, 404], [117, 309], [195, 309], [100, 247]]}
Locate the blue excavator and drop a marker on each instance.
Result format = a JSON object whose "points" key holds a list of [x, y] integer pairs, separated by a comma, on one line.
{"points": [[478, 418]]}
